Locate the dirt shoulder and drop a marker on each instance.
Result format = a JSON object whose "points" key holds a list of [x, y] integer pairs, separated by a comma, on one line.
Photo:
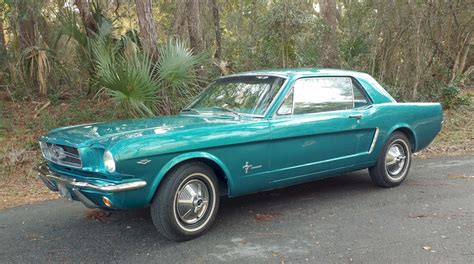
{"points": [[22, 124], [456, 136]]}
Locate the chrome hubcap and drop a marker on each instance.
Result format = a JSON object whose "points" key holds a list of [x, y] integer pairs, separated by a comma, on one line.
{"points": [[395, 159], [192, 201]]}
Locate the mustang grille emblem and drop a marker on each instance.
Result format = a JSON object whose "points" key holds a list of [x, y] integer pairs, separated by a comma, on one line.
{"points": [[57, 152]]}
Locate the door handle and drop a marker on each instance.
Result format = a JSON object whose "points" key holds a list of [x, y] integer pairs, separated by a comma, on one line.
{"points": [[356, 116]]}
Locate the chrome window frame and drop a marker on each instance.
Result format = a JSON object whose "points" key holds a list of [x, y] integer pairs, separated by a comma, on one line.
{"points": [[358, 86], [283, 101]]}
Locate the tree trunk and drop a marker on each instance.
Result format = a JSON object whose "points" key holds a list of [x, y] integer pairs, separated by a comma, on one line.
{"points": [[179, 27], [26, 27], [329, 56], [148, 35], [86, 16], [217, 28], [284, 54], [461, 57], [417, 17], [3, 51], [2, 37], [194, 27]]}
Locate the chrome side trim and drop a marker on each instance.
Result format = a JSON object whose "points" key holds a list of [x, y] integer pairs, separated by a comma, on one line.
{"points": [[50, 178], [374, 140]]}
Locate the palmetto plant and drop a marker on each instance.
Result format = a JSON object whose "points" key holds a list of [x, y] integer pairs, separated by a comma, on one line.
{"points": [[35, 66], [129, 78], [69, 29], [177, 76], [140, 86]]}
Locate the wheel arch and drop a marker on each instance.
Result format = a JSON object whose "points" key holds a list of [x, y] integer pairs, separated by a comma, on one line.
{"points": [[219, 168], [407, 131]]}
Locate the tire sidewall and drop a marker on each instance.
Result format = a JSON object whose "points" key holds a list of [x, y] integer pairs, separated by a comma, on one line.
{"points": [[163, 208], [403, 141], [202, 224]]}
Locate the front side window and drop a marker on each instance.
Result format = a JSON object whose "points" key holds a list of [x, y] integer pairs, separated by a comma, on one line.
{"points": [[242, 94], [287, 107], [313, 95], [322, 94]]}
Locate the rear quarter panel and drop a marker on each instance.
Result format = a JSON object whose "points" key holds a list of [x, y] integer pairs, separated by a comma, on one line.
{"points": [[424, 120]]}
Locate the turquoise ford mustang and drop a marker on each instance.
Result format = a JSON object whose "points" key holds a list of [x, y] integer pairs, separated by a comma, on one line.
{"points": [[246, 133]]}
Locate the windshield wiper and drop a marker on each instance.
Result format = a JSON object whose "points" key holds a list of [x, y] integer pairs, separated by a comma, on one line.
{"points": [[227, 110], [191, 110]]}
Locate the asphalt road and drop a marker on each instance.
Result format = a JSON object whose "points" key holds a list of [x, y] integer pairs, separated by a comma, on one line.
{"points": [[428, 219]]}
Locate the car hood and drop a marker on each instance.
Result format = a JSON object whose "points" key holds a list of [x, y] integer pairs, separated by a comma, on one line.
{"points": [[103, 134]]}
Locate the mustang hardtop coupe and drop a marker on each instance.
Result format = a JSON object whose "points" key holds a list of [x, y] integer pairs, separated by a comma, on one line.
{"points": [[247, 132]]}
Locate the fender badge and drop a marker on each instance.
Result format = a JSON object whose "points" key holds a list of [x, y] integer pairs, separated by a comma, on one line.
{"points": [[248, 167], [143, 161]]}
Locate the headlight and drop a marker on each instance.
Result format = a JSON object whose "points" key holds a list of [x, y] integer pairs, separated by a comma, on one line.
{"points": [[109, 162]]}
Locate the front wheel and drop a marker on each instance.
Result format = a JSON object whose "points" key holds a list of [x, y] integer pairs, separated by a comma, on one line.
{"points": [[186, 202], [393, 163]]}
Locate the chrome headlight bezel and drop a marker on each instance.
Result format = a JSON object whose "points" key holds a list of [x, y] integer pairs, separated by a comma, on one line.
{"points": [[109, 162], [44, 152]]}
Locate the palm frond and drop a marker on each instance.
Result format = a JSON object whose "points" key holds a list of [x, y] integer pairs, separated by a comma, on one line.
{"points": [[35, 66], [129, 80], [69, 28], [178, 79]]}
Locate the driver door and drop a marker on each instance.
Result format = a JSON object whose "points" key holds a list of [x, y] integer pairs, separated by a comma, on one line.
{"points": [[319, 128]]}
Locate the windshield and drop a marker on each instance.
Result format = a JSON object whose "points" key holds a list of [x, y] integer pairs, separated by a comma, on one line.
{"points": [[243, 95]]}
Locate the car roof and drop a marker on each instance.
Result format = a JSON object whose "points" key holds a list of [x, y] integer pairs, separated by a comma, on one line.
{"points": [[300, 72]]}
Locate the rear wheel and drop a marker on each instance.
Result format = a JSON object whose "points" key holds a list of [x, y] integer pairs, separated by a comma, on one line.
{"points": [[186, 202], [393, 163]]}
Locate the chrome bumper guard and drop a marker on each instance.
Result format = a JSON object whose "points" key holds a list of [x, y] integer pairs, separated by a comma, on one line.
{"points": [[51, 179]]}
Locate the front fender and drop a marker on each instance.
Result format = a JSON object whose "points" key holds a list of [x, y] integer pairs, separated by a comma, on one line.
{"points": [[184, 157]]}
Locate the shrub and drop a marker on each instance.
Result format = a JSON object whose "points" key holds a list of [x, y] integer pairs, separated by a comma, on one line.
{"points": [[451, 97], [142, 87]]}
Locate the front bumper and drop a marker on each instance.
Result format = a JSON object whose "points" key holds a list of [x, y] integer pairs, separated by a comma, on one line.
{"points": [[52, 181]]}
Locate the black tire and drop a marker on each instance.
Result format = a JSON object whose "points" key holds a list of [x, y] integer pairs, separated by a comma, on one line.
{"points": [[393, 163], [170, 217]]}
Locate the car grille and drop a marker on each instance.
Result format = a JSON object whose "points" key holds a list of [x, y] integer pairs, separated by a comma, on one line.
{"points": [[62, 155]]}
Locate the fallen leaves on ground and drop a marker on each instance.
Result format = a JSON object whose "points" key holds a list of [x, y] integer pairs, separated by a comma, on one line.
{"points": [[98, 214], [418, 216], [461, 177], [429, 249], [267, 217]]}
